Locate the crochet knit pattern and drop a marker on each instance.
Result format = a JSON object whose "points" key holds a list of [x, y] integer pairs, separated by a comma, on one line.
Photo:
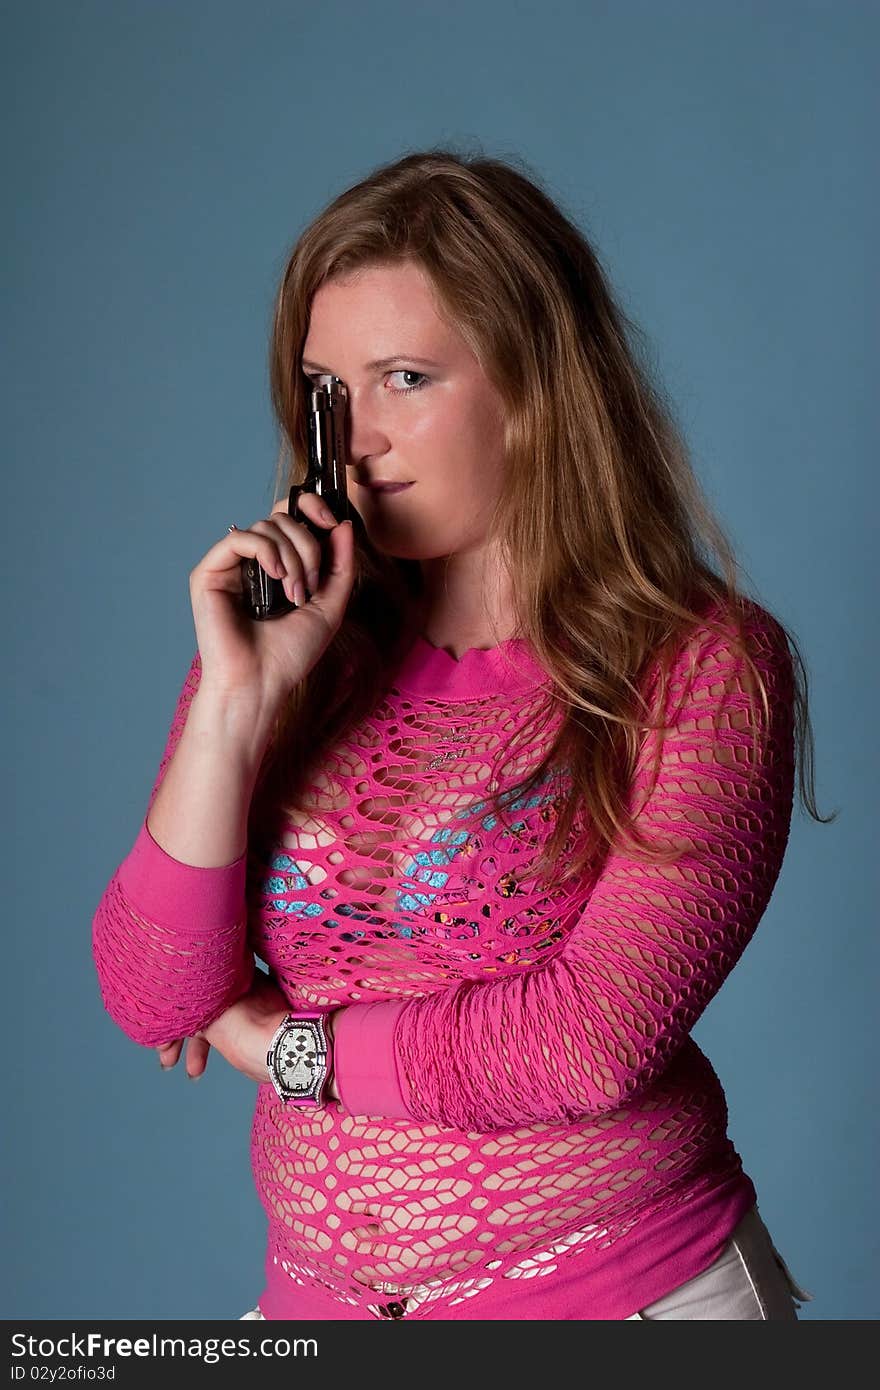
{"points": [[521, 1099]]}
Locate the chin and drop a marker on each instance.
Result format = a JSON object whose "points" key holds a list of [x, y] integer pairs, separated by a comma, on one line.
{"points": [[401, 551], [400, 542]]}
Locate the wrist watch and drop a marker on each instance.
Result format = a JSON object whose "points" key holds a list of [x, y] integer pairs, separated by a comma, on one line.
{"points": [[300, 1057]]}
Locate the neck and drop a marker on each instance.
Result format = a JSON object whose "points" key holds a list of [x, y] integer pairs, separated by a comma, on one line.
{"points": [[465, 603]]}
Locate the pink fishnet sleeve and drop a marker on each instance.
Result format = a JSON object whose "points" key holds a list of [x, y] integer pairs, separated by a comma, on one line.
{"points": [[583, 1034], [168, 939]]}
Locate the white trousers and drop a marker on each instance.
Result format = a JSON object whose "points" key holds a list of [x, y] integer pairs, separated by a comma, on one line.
{"points": [[749, 1281]]}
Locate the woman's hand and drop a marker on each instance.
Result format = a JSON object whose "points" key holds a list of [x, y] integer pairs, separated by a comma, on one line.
{"points": [[242, 1035], [244, 658]]}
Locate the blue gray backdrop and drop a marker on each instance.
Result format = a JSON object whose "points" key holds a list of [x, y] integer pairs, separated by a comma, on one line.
{"points": [[160, 160]]}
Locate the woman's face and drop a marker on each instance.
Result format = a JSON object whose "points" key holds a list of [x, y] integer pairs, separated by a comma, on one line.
{"points": [[430, 419]]}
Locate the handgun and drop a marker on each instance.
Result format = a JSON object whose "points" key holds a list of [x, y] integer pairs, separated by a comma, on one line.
{"points": [[263, 595]]}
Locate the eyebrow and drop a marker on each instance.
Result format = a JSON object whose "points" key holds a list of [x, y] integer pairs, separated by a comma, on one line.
{"points": [[378, 366]]}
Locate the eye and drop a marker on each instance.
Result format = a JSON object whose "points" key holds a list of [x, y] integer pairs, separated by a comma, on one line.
{"points": [[405, 390]]}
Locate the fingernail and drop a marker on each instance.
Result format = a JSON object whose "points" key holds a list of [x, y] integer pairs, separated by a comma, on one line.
{"points": [[327, 515], [164, 1067], [190, 1077]]}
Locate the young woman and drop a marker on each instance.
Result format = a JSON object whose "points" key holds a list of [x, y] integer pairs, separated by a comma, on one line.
{"points": [[501, 801]]}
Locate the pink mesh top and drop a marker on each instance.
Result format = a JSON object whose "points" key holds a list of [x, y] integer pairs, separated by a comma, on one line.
{"points": [[526, 1128]]}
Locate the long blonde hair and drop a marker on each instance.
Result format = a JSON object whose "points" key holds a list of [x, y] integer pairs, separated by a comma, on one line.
{"points": [[600, 523]]}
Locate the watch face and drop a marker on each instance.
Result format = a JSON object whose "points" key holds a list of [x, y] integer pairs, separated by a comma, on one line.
{"points": [[296, 1059], [299, 1060]]}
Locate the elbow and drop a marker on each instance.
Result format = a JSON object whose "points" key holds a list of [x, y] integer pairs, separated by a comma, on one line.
{"points": [[616, 1068], [153, 1017], [631, 1066], [146, 1028]]}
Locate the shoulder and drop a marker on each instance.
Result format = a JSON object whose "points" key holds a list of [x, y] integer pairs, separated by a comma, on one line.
{"points": [[732, 664], [724, 636]]}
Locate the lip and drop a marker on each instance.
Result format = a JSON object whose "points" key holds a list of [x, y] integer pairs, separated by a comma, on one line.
{"points": [[386, 487]]}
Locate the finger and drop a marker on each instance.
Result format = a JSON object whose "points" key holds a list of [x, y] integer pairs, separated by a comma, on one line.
{"points": [[169, 1054], [333, 594], [310, 504], [197, 1050], [313, 506], [372, 1232], [222, 560], [300, 551]]}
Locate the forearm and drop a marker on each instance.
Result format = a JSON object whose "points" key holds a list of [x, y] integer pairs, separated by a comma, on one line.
{"points": [[200, 812], [169, 934]]}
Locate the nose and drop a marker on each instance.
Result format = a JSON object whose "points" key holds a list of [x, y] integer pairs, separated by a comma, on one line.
{"points": [[367, 436]]}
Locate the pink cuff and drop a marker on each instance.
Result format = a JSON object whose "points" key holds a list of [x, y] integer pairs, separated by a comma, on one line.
{"points": [[180, 895], [364, 1062]]}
